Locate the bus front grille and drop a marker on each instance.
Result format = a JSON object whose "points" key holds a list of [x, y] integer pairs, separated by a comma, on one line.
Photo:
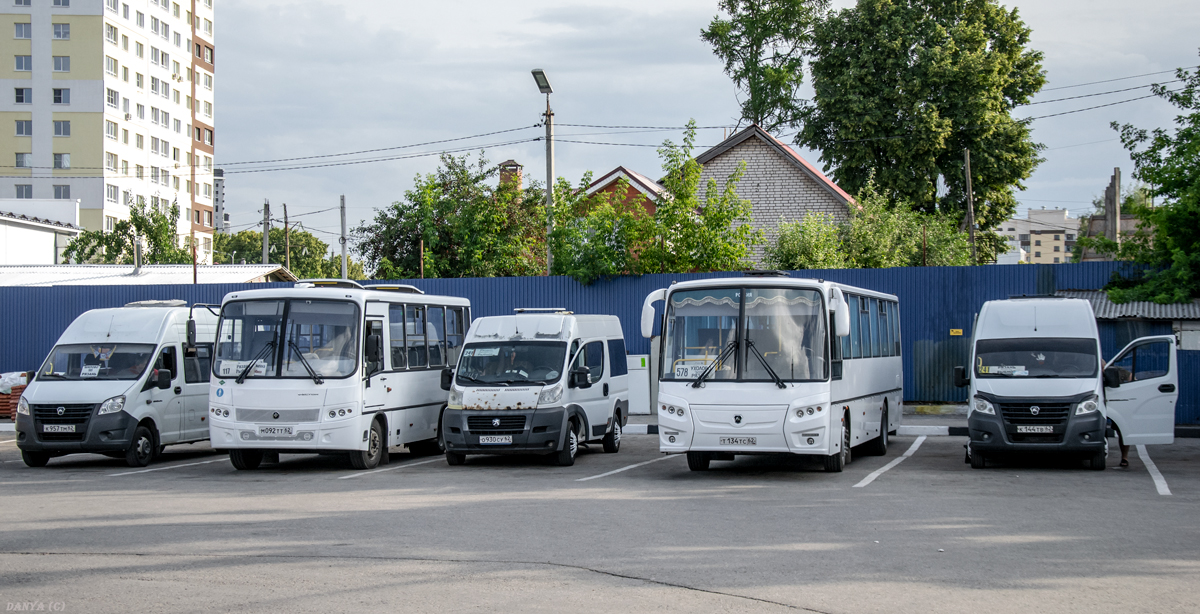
{"points": [[284, 415]]}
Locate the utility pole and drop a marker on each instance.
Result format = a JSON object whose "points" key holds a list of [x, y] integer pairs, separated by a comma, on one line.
{"points": [[970, 205], [549, 183], [195, 275], [342, 239], [422, 265], [925, 244], [287, 241], [266, 231]]}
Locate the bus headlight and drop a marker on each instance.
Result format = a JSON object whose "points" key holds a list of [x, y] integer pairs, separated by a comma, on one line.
{"points": [[551, 394], [23, 406], [456, 398], [112, 406], [1088, 406], [983, 406]]}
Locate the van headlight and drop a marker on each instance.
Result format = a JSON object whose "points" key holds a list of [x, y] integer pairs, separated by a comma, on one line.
{"points": [[112, 406], [983, 406], [1088, 406], [551, 394], [456, 398], [23, 406]]}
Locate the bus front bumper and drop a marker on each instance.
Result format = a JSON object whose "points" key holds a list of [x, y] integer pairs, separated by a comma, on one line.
{"points": [[342, 435], [541, 430]]}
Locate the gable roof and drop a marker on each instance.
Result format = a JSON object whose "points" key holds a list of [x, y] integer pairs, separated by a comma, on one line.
{"points": [[1105, 309], [124, 274], [40, 222], [648, 187], [783, 150]]}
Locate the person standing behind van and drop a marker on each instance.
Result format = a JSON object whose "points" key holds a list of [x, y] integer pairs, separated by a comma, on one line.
{"points": [[1121, 444]]}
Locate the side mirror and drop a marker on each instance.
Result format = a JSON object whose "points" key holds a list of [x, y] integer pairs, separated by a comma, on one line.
{"points": [[841, 313], [191, 333], [579, 378], [1112, 378], [374, 348], [447, 378], [164, 379], [960, 377]]}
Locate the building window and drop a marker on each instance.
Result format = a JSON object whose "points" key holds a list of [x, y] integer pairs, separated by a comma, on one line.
{"points": [[208, 190], [124, 10], [25, 127], [178, 40], [24, 63], [140, 173], [1056, 261], [62, 63], [110, 161], [1056, 237], [138, 141], [62, 128], [208, 79], [1057, 248], [1070, 237], [24, 191], [24, 95], [111, 5], [62, 32], [178, 127], [62, 95], [113, 98], [1038, 243], [141, 111], [110, 65], [24, 160], [141, 20], [124, 105], [23, 30], [125, 42], [110, 33], [1037, 254], [110, 223], [208, 218], [124, 168], [208, 137], [62, 192], [139, 81], [208, 27], [62, 160], [110, 129], [63, 3], [21, 3]]}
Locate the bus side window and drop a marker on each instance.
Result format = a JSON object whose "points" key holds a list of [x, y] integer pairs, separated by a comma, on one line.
{"points": [[396, 336], [454, 334], [374, 327], [414, 328], [436, 331], [894, 317], [855, 338], [885, 329]]}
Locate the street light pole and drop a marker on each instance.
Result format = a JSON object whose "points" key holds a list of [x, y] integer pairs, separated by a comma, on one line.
{"points": [[543, 84]]}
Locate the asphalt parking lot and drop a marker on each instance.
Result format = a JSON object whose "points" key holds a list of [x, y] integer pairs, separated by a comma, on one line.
{"points": [[627, 532]]}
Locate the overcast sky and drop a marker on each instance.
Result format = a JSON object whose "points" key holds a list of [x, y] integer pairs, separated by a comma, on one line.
{"points": [[316, 77]]}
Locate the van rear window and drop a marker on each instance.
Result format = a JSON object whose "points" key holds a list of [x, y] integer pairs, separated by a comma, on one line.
{"points": [[1036, 357]]}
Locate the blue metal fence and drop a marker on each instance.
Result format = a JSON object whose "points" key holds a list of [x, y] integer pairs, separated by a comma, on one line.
{"points": [[933, 301]]}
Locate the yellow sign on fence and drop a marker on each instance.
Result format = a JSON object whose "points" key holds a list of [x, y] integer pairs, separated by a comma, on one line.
{"points": [[955, 332]]}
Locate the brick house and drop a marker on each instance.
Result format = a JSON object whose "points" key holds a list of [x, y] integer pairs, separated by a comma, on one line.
{"points": [[778, 182], [639, 188]]}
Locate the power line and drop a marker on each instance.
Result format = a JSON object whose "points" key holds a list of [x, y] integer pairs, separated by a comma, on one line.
{"points": [[384, 159], [647, 127], [1081, 144], [1161, 72], [1099, 106], [620, 144], [366, 151], [1128, 89]]}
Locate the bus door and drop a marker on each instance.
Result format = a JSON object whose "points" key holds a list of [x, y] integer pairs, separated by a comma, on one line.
{"points": [[376, 384]]}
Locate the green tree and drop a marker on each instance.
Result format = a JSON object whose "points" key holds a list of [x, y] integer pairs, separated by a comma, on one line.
{"points": [[1168, 241], [812, 243], [902, 87], [762, 45], [470, 227], [601, 235], [310, 257], [154, 227]]}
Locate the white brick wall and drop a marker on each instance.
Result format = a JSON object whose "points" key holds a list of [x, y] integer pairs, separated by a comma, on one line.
{"points": [[775, 187]]}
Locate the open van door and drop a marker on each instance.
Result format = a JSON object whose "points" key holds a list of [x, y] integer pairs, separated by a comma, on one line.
{"points": [[1143, 404]]}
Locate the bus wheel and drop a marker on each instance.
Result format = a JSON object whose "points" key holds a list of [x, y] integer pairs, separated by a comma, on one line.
{"points": [[566, 456], [454, 458], [244, 460], [35, 459], [698, 461], [834, 463], [612, 440], [879, 445], [369, 458], [142, 450]]}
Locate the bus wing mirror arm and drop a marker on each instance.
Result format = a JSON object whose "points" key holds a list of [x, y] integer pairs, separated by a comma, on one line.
{"points": [[960, 377], [447, 378], [648, 311]]}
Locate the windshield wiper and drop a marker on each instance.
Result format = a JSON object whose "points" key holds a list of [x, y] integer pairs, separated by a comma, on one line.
{"points": [[712, 365], [304, 361], [58, 375], [241, 378], [521, 381], [465, 378], [763, 360]]}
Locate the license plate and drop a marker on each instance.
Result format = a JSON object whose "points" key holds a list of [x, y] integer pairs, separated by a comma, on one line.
{"points": [[1035, 429], [495, 439], [276, 431], [739, 441], [58, 428]]}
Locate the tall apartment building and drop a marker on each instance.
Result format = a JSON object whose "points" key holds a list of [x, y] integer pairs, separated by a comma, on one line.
{"points": [[1046, 235], [110, 102]]}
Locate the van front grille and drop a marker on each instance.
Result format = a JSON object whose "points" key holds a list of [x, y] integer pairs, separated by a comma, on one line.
{"points": [[496, 425], [73, 413], [1047, 413]]}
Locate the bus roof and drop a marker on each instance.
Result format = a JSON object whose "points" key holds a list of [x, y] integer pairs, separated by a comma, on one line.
{"points": [[358, 295], [776, 282]]}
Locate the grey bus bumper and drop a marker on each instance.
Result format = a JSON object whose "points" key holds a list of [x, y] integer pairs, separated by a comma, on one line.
{"points": [[533, 431]]}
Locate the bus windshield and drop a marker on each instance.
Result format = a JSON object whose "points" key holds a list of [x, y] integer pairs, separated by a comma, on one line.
{"points": [[519, 362], [100, 361], [781, 328], [1036, 357], [323, 334]]}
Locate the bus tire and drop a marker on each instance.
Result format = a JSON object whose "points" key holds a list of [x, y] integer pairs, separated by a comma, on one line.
{"points": [[698, 461], [454, 458], [612, 439], [369, 458], [35, 459], [879, 445], [566, 456], [978, 461], [142, 449], [835, 463], [245, 460]]}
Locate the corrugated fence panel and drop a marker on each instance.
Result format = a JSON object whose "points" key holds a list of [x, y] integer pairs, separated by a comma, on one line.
{"points": [[1187, 409]]}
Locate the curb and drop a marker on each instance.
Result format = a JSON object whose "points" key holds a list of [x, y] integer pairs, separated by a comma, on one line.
{"points": [[8, 428], [640, 429], [934, 431]]}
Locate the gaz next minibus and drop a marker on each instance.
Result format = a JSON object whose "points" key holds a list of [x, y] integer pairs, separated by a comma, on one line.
{"points": [[771, 364], [331, 366]]}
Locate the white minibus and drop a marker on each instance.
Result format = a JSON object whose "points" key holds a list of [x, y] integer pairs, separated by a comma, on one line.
{"points": [[122, 382], [332, 366], [771, 364]]}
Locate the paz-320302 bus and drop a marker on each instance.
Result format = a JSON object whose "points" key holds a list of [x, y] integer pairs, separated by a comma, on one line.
{"points": [[772, 364]]}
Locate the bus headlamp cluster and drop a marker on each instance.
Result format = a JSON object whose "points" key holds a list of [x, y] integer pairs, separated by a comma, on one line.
{"points": [[983, 406], [218, 412], [1089, 405], [673, 410], [801, 411], [341, 413]]}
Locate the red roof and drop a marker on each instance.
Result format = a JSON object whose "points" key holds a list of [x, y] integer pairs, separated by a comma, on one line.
{"points": [[784, 150]]}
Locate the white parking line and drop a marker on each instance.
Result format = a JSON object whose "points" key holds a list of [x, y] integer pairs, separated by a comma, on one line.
{"points": [[1159, 482], [9, 441], [627, 468], [361, 474], [113, 475], [878, 472]]}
